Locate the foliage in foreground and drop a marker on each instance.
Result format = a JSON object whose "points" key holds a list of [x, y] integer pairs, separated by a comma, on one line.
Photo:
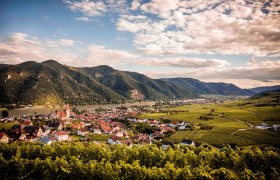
{"points": [[83, 161]]}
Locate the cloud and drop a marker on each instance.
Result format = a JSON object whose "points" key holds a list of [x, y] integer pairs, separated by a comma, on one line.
{"points": [[160, 7], [100, 55], [87, 7], [83, 18], [135, 5], [183, 62], [66, 42], [20, 47], [212, 27], [265, 70]]}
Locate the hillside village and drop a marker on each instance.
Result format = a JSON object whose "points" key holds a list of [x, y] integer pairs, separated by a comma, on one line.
{"points": [[112, 126]]}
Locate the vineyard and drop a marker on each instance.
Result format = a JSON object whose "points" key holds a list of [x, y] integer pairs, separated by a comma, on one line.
{"points": [[211, 137], [259, 137], [89, 161], [232, 123]]}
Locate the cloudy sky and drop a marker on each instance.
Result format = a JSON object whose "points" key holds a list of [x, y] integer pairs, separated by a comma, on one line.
{"points": [[235, 41]]}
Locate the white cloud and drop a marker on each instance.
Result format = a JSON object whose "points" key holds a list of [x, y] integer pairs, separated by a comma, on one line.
{"points": [[20, 47], [83, 18], [264, 71], [198, 26], [87, 7], [183, 62], [160, 7], [66, 42], [100, 55], [135, 5]]}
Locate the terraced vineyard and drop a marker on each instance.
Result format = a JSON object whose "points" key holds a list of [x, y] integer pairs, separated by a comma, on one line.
{"points": [[261, 138], [180, 135], [212, 137], [233, 122]]}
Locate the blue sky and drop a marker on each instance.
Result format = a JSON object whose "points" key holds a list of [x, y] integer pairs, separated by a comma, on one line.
{"points": [[217, 41]]}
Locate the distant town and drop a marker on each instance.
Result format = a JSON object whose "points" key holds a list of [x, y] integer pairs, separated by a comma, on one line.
{"points": [[111, 126]]}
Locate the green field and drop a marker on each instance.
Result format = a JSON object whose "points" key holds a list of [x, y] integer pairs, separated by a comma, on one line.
{"points": [[6, 126], [233, 122]]}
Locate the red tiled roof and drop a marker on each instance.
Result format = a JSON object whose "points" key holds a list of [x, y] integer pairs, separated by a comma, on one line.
{"points": [[27, 123], [61, 133], [2, 135]]}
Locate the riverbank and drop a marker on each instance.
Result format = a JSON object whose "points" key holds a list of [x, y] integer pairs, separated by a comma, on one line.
{"points": [[40, 109]]}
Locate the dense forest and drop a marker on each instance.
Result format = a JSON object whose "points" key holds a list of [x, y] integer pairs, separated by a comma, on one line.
{"points": [[89, 161]]}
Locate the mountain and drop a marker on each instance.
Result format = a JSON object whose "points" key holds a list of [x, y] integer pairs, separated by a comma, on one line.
{"points": [[50, 82], [198, 87], [274, 94], [123, 82], [265, 88]]}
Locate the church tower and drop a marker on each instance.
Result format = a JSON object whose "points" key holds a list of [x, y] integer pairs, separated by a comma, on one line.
{"points": [[67, 111]]}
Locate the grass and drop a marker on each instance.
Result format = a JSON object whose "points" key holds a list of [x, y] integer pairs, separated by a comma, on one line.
{"points": [[7, 126]]}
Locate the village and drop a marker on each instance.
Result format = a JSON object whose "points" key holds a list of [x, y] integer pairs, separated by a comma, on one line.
{"points": [[108, 126]]}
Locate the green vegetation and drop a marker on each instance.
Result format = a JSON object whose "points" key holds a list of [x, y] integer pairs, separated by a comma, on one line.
{"points": [[6, 126], [88, 161], [226, 123]]}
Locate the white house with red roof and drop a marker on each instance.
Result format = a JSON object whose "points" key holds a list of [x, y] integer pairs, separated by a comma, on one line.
{"points": [[61, 136]]}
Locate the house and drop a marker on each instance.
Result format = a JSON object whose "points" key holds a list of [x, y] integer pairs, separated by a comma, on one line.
{"points": [[4, 138], [20, 137], [117, 133], [45, 140], [16, 134], [165, 145], [276, 127], [46, 130], [96, 131], [187, 142], [82, 131], [107, 129], [263, 126], [181, 127], [27, 123], [61, 136], [113, 140], [32, 131], [55, 125]]}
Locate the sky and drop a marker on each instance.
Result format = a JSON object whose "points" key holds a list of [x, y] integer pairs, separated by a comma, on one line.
{"points": [[232, 41]]}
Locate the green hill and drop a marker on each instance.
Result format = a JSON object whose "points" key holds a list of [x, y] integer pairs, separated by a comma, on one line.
{"points": [[51, 83], [274, 94], [196, 86]]}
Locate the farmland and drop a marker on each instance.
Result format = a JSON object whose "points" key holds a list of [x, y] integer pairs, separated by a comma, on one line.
{"points": [[230, 122]]}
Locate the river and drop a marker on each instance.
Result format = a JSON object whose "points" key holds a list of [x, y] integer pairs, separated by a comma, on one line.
{"points": [[46, 110]]}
